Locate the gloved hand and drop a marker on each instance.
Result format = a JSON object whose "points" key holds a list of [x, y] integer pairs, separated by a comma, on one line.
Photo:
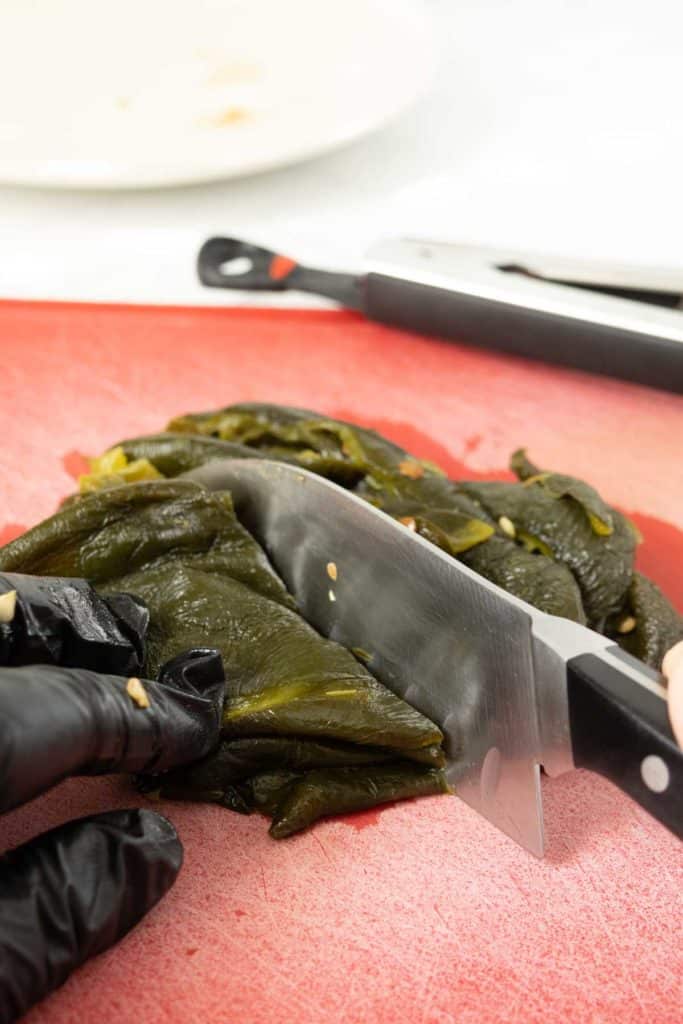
{"points": [[74, 891]]}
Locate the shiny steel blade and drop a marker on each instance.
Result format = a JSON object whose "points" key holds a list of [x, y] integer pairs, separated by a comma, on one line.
{"points": [[455, 646]]}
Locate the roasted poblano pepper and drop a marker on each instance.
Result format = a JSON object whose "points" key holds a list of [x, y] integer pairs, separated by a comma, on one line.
{"points": [[172, 453], [299, 701], [413, 491], [283, 678], [301, 801], [550, 539], [541, 581], [295, 800], [557, 527], [647, 626], [115, 467], [114, 532], [307, 731]]}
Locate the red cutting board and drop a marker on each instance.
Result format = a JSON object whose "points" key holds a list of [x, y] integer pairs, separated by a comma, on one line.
{"points": [[420, 912]]}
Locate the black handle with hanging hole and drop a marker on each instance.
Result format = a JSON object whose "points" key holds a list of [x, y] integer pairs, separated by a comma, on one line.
{"points": [[232, 263], [629, 353]]}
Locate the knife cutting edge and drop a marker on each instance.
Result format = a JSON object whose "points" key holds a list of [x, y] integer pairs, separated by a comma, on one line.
{"points": [[512, 688], [621, 321]]}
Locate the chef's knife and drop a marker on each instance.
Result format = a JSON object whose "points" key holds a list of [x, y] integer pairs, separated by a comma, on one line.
{"points": [[617, 320], [511, 687]]}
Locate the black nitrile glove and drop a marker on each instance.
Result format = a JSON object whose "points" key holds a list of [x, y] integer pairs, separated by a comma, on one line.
{"points": [[74, 891], [62, 621]]}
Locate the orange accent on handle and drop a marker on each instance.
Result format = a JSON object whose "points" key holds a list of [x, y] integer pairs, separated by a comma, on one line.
{"points": [[280, 266]]}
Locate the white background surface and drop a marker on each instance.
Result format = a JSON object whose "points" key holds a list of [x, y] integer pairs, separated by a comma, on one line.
{"points": [[553, 125]]}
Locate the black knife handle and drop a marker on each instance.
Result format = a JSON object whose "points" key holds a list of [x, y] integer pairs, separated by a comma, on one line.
{"points": [[620, 728], [519, 330]]}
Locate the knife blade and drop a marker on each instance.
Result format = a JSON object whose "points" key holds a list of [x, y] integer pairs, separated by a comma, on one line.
{"points": [[617, 320], [512, 688]]}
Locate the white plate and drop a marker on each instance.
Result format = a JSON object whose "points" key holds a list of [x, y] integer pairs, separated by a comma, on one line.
{"points": [[138, 93]]}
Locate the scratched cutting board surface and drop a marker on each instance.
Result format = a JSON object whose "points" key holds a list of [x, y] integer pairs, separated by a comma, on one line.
{"points": [[419, 912]]}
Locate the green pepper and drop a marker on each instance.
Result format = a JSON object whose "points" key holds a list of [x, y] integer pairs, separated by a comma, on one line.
{"points": [[383, 473], [109, 534], [600, 516], [303, 436], [293, 698], [647, 626], [540, 581], [296, 800], [172, 454], [238, 759], [283, 678], [298, 803], [221, 776], [550, 540], [602, 565], [412, 491], [307, 729], [267, 790]]}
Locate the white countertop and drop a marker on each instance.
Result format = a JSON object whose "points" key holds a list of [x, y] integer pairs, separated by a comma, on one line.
{"points": [[553, 125]]}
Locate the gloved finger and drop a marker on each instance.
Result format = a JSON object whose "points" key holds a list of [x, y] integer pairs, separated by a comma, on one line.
{"points": [[56, 722], [51, 620], [72, 893]]}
